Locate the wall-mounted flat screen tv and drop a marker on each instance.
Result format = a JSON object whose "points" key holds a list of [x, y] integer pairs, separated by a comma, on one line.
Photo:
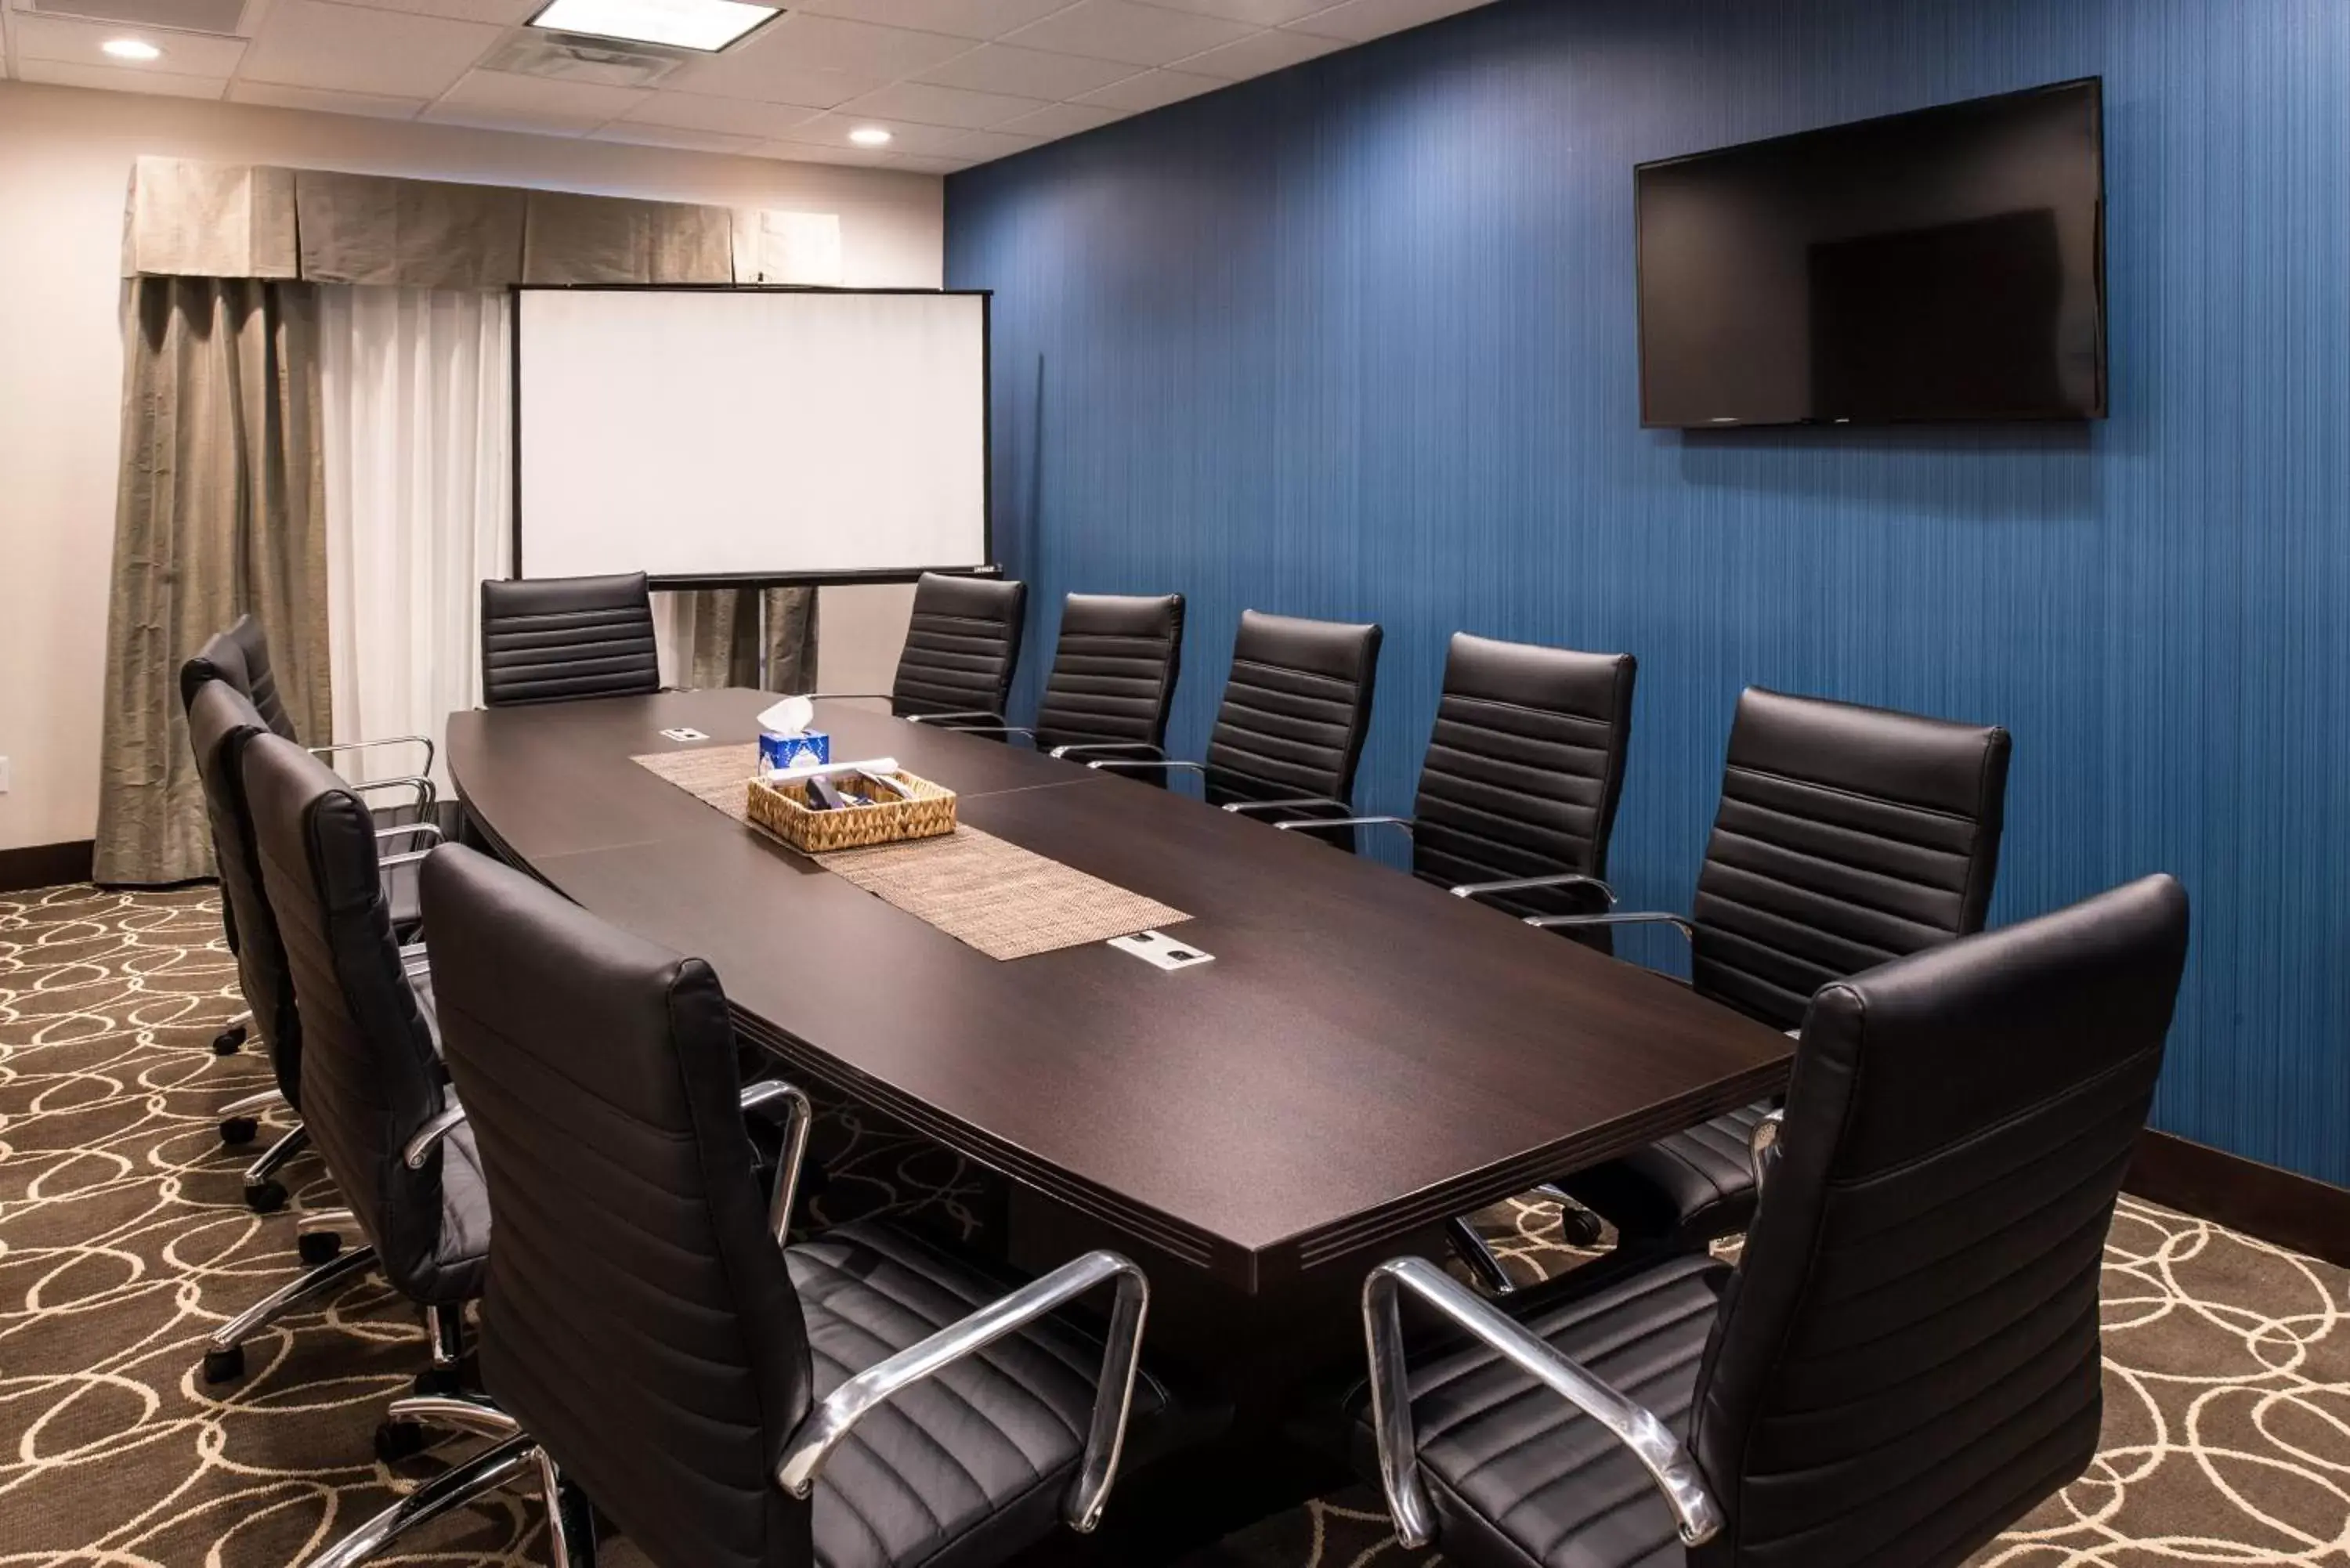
{"points": [[1943, 265]]}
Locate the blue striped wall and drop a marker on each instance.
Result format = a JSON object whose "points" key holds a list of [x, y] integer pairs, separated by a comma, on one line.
{"points": [[1356, 340]]}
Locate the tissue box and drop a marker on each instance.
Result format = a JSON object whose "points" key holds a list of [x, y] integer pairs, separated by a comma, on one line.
{"points": [[776, 752]]}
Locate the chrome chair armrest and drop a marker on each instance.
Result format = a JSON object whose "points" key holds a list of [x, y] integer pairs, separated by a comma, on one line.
{"points": [[807, 1449], [994, 730], [852, 697], [422, 788], [1763, 1150], [1666, 1458], [1552, 922], [1079, 748], [1403, 821], [1120, 764], [949, 720], [798, 1116], [418, 1149], [413, 830], [1296, 802], [415, 958], [408, 858], [1526, 884], [329, 751]]}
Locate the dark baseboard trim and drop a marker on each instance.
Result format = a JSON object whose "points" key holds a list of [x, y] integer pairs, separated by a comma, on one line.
{"points": [[44, 865], [2280, 1206]]}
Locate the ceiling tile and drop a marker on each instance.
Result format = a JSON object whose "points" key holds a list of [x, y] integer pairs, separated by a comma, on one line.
{"points": [[982, 145], [119, 79], [583, 104], [276, 95], [961, 19], [770, 78], [1064, 120], [832, 131], [77, 43], [1027, 73], [829, 43], [927, 105], [1137, 35], [1262, 13], [352, 48], [1151, 89], [724, 116], [505, 12], [1359, 20], [643, 135], [818, 152], [1258, 54]]}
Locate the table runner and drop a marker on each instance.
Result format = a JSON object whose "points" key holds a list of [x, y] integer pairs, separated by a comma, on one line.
{"points": [[986, 893]]}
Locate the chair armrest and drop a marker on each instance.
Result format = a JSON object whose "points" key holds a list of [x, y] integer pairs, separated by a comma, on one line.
{"points": [[1296, 803], [994, 730], [949, 720], [329, 752], [1666, 1458], [798, 1115], [1403, 821], [852, 697], [1552, 923], [423, 787], [820, 1432], [418, 1149], [412, 830], [1079, 748], [1525, 884], [1120, 764], [1763, 1150], [415, 958]]}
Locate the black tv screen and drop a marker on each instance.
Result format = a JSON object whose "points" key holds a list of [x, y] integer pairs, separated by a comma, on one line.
{"points": [[1943, 264]]}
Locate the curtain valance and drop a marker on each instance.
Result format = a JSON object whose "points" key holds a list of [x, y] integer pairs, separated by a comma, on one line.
{"points": [[187, 218]]}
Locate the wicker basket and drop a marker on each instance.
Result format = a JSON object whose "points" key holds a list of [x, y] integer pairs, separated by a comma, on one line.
{"points": [[782, 809]]}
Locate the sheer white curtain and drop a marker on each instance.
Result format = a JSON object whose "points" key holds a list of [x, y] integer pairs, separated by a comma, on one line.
{"points": [[416, 417]]}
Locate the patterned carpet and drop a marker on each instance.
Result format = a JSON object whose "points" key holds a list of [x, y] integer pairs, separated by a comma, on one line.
{"points": [[124, 1240]]}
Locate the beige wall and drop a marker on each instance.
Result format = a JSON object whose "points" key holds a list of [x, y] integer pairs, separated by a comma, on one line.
{"points": [[65, 162]]}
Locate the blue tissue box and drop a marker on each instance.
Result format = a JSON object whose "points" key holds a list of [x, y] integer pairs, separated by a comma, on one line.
{"points": [[779, 752]]}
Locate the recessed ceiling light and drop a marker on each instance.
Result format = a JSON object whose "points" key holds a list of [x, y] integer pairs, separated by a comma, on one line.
{"points": [[706, 24], [870, 136], [132, 50]]}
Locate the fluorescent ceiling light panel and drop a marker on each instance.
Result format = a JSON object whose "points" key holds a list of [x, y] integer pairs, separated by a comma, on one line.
{"points": [[132, 50], [705, 25]]}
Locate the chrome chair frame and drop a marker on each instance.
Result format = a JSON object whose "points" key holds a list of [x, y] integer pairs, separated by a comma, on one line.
{"points": [[427, 792]]}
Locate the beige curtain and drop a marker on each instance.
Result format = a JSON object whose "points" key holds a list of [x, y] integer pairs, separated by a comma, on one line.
{"points": [[726, 639], [220, 510]]}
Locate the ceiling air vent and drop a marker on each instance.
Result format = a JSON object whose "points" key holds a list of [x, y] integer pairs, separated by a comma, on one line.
{"points": [[570, 58], [183, 15]]}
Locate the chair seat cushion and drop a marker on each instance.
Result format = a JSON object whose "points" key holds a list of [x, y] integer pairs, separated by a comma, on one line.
{"points": [[1520, 1476], [1696, 1185], [969, 1464]]}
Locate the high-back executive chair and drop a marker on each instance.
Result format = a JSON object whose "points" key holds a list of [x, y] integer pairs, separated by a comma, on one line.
{"points": [[557, 640], [240, 656], [373, 1095], [1905, 1359], [961, 647], [1112, 680], [1846, 837], [1290, 730], [648, 1338]]}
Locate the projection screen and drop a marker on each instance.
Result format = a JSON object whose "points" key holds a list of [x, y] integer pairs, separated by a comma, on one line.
{"points": [[704, 435]]}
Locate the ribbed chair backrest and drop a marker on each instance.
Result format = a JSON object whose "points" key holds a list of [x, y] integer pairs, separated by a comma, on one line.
{"points": [[557, 640], [221, 722], [961, 646], [1295, 710], [1907, 1358], [369, 1076], [1524, 769], [1846, 837], [240, 656], [638, 1321], [1114, 671]]}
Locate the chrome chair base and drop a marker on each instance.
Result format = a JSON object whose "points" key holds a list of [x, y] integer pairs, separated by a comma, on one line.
{"points": [[498, 1466], [263, 1193], [225, 1351]]}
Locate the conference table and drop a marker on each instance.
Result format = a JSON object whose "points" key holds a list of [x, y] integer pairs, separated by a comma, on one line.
{"points": [[1366, 1056]]}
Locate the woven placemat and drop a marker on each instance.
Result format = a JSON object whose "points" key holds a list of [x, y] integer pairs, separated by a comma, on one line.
{"points": [[1006, 901]]}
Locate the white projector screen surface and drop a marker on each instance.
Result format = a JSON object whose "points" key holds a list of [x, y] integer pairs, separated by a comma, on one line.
{"points": [[723, 433]]}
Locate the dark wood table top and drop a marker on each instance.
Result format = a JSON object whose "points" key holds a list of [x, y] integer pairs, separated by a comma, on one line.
{"points": [[1367, 1056]]}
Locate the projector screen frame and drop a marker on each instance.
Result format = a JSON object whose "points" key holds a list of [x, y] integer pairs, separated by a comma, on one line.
{"points": [[686, 582]]}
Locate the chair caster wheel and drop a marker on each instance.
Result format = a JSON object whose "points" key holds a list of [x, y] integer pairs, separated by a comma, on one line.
{"points": [[265, 1196], [224, 1365], [439, 1380], [237, 1130], [316, 1247], [229, 1040], [397, 1440], [1581, 1227]]}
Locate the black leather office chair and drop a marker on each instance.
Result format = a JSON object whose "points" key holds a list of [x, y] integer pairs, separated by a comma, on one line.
{"points": [[1112, 680], [373, 1092], [1846, 837], [648, 1338], [557, 640], [1905, 1359], [1290, 730], [962, 646]]}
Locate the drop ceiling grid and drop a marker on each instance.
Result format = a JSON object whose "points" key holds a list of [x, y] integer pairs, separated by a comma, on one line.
{"points": [[956, 82]]}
